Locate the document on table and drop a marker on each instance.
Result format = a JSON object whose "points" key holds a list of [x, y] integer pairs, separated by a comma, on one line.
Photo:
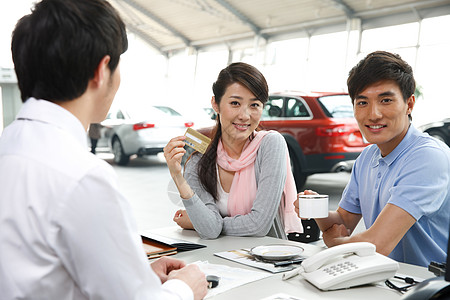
{"points": [[229, 277], [243, 257]]}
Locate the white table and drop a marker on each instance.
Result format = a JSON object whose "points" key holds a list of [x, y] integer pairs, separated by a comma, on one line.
{"points": [[296, 286]]}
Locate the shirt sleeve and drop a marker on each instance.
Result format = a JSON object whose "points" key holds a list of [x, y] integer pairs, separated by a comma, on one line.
{"points": [[176, 289], [350, 196], [201, 208], [95, 237], [271, 169], [422, 185]]}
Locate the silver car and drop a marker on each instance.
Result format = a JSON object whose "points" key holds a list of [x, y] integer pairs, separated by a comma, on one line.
{"points": [[141, 131]]}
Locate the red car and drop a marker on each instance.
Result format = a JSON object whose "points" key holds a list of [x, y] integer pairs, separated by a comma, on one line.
{"points": [[320, 131]]}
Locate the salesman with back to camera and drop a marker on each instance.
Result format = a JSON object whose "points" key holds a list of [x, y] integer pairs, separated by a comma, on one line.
{"points": [[400, 185], [66, 230]]}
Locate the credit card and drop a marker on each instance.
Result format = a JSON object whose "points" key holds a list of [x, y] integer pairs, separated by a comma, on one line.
{"points": [[196, 140]]}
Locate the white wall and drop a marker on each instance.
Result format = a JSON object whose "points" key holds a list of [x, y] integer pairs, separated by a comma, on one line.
{"points": [[321, 62]]}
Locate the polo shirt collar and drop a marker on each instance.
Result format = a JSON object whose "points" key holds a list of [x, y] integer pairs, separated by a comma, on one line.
{"points": [[48, 112], [407, 141]]}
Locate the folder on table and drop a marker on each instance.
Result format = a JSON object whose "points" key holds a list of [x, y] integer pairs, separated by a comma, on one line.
{"points": [[156, 249], [178, 244]]}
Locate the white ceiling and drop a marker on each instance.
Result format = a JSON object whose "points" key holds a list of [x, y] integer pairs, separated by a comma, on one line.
{"points": [[173, 25]]}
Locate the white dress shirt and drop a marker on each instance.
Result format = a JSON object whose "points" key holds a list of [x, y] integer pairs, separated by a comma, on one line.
{"points": [[66, 232]]}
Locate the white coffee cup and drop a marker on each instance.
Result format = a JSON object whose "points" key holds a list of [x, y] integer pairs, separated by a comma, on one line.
{"points": [[313, 206]]}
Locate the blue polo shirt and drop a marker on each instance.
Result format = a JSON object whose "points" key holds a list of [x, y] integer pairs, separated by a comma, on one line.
{"points": [[415, 176]]}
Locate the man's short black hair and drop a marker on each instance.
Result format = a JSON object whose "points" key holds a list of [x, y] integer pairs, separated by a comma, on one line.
{"points": [[57, 47], [381, 65]]}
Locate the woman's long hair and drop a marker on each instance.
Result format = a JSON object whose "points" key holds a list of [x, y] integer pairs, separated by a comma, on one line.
{"points": [[252, 79]]}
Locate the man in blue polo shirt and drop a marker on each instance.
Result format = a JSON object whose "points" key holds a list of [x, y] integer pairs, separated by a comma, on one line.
{"points": [[400, 185]]}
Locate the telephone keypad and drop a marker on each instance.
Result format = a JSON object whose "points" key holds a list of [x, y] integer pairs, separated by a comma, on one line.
{"points": [[340, 268]]}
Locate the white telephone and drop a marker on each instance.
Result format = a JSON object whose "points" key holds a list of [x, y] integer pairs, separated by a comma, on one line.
{"points": [[348, 265]]}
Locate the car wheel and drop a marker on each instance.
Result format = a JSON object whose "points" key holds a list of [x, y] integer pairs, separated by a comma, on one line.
{"points": [[120, 157], [299, 176], [437, 134]]}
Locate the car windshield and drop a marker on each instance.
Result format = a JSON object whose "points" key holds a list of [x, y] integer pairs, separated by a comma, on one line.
{"points": [[168, 110], [337, 106], [143, 112]]}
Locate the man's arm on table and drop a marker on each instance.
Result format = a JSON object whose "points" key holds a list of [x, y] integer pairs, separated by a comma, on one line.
{"points": [[386, 232]]}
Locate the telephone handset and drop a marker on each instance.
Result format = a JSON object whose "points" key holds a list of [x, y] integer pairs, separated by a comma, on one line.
{"points": [[348, 265]]}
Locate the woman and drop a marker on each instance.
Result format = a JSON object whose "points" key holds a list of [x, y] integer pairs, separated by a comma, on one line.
{"points": [[235, 188]]}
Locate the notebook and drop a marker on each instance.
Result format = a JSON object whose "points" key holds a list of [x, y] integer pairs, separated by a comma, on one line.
{"points": [[156, 249], [178, 244]]}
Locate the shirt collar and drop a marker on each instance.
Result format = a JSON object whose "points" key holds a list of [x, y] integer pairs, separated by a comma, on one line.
{"points": [[408, 140], [55, 115]]}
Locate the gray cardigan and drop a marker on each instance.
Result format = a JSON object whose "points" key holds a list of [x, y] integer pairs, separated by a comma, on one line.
{"points": [[265, 216]]}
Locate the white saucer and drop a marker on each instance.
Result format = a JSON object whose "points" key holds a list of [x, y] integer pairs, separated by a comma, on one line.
{"points": [[276, 252]]}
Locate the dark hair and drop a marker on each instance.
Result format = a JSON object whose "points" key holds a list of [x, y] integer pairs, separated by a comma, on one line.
{"points": [[57, 47], [252, 79], [381, 65]]}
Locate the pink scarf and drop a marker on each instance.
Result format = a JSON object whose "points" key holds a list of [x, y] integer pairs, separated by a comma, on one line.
{"points": [[243, 188]]}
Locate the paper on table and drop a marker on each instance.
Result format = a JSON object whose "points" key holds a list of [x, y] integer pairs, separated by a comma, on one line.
{"points": [[229, 277], [243, 257]]}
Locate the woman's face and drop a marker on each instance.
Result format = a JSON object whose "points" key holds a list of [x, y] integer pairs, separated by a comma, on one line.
{"points": [[239, 113]]}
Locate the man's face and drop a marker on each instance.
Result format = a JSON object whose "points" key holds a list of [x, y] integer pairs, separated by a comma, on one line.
{"points": [[114, 83], [109, 90], [382, 114]]}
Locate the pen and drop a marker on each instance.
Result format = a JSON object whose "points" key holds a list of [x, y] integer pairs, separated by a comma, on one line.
{"points": [[287, 262]]}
